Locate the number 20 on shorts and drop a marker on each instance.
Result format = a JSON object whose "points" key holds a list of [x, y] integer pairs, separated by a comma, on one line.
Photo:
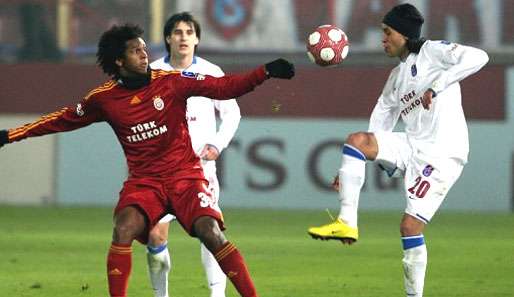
{"points": [[420, 187]]}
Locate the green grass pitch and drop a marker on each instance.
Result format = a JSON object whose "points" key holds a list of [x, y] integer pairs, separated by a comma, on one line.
{"points": [[52, 252]]}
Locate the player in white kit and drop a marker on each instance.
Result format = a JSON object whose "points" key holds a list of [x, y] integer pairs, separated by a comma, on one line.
{"points": [[181, 36], [430, 154]]}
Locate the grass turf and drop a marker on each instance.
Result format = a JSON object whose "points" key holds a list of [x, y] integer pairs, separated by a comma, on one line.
{"points": [[52, 252]]}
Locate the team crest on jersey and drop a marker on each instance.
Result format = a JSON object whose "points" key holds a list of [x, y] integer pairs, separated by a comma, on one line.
{"points": [[158, 103], [414, 70], [428, 170], [79, 110]]}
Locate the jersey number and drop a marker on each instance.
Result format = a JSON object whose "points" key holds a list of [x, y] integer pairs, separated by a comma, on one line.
{"points": [[420, 188]]}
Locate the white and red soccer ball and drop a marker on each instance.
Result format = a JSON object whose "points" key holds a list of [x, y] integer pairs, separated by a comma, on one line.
{"points": [[327, 45]]}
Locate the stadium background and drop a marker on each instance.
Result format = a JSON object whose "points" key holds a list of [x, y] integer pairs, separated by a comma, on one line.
{"points": [[278, 159]]}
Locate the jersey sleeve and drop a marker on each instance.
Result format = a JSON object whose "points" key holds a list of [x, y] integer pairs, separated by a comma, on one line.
{"points": [[66, 119], [456, 61], [230, 115], [386, 112], [221, 88]]}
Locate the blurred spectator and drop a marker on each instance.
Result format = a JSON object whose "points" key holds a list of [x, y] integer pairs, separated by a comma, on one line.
{"points": [[39, 41]]}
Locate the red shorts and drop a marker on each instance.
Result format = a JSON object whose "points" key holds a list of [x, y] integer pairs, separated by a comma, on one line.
{"points": [[187, 199]]}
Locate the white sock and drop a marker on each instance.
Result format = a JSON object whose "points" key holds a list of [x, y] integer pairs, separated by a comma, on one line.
{"points": [[414, 264], [159, 265], [216, 278], [351, 179]]}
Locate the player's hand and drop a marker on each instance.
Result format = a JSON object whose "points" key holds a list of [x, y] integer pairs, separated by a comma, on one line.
{"points": [[4, 137], [209, 153], [426, 101], [335, 183], [280, 68]]}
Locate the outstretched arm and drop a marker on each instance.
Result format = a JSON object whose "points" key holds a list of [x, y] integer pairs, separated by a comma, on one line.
{"points": [[66, 119], [232, 86]]}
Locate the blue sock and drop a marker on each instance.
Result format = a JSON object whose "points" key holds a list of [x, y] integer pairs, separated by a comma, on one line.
{"points": [[414, 261], [410, 242], [353, 151], [157, 249], [351, 174]]}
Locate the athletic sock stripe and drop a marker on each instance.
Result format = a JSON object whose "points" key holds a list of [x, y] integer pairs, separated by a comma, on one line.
{"points": [[220, 257], [156, 249], [229, 248], [222, 254], [120, 249], [410, 242], [123, 249], [415, 236], [121, 246], [120, 252], [354, 152]]}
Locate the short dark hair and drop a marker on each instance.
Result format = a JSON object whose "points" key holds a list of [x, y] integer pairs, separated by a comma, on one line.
{"points": [[112, 46], [185, 17]]}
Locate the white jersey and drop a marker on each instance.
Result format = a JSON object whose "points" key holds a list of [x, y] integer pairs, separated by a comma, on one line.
{"points": [[441, 131], [201, 116]]}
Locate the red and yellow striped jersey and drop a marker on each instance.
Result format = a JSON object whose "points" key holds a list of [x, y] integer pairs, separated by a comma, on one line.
{"points": [[149, 122]]}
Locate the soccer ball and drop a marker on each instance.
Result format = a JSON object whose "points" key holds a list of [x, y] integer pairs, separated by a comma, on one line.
{"points": [[327, 45]]}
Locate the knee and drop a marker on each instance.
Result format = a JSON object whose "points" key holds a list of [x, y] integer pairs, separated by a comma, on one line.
{"points": [[124, 233], [359, 140], [405, 230], [157, 237], [365, 142], [411, 228], [207, 227], [129, 223], [209, 232]]}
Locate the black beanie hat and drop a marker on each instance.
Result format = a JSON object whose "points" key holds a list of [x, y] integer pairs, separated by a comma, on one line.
{"points": [[406, 19]]}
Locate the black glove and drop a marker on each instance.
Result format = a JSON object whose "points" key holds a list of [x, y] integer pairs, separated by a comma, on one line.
{"points": [[4, 137], [279, 68]]}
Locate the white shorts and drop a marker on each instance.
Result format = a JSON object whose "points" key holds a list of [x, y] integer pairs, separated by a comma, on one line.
{"points": [[214, 187], [425, 183]]}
